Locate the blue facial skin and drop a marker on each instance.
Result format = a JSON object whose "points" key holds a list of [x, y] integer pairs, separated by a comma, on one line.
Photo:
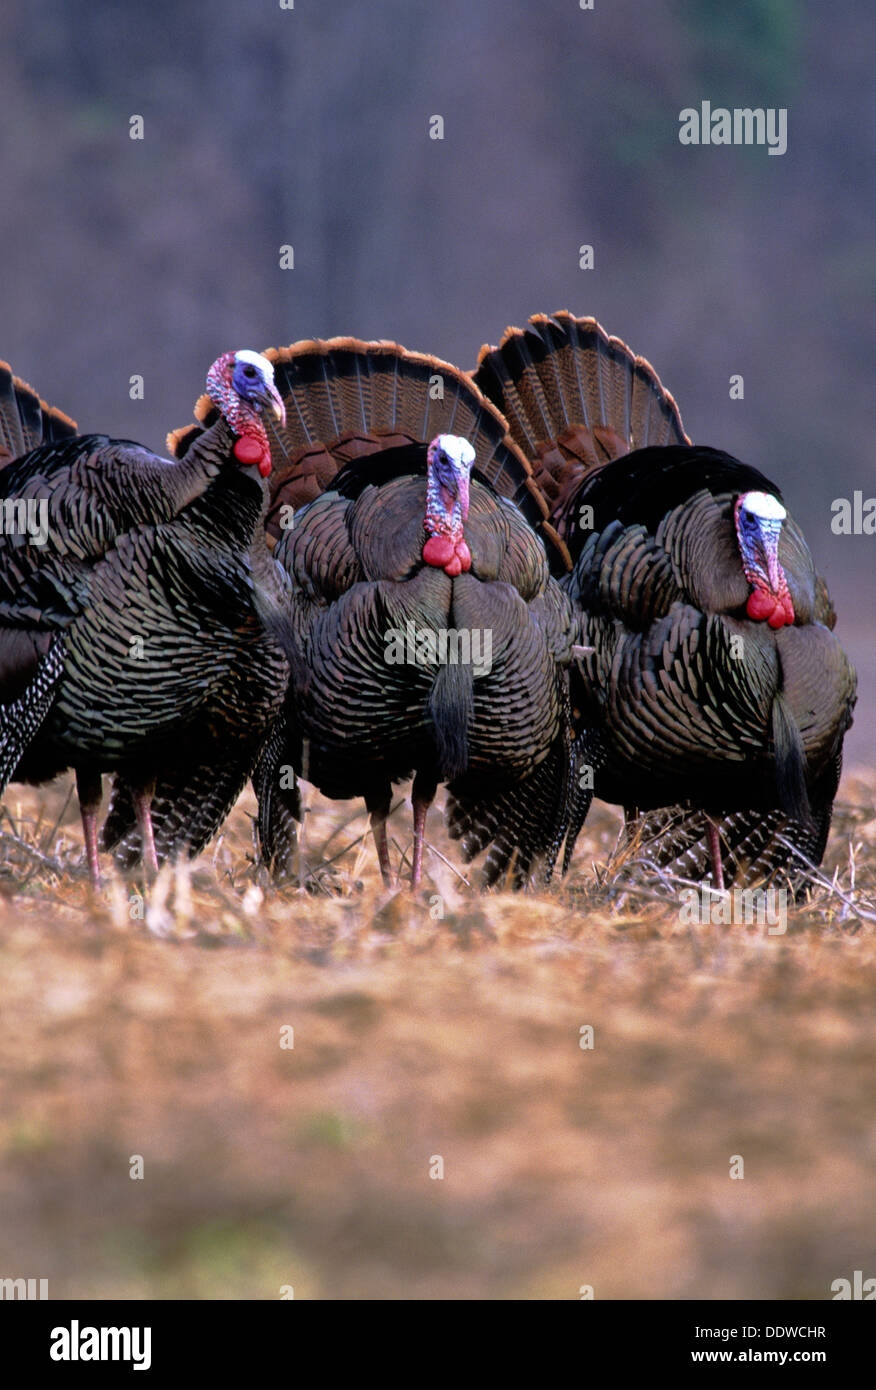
{"points": [[758, 541], [444, 472], [248, 382]]}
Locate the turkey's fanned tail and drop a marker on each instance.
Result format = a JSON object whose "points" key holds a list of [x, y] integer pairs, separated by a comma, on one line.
{"points": [[574, 399], [26, 421]]}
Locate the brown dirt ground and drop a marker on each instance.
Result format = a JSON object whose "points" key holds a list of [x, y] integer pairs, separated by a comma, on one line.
{"points": [[418, 1037]]}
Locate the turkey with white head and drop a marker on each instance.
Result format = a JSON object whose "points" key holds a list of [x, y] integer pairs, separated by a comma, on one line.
{"points": [[716, 696], [131, 629], [425, 635]]}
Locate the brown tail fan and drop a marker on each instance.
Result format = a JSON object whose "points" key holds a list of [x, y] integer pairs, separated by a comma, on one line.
{"points": [[574, 399], [26, 422]]}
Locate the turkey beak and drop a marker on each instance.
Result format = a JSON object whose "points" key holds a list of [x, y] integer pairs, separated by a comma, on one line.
{"points": [[270, 399]]}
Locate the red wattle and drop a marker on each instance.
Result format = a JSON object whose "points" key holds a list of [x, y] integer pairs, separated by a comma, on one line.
{"points": [[778, 611], [463, 555], [453, 567], [247, 450], [438, 551], [760, 605], [265, 463]]}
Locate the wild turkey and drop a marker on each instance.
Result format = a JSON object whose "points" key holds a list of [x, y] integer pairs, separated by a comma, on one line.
{"points": [[411, 543], [131, 632], [715, 679]]}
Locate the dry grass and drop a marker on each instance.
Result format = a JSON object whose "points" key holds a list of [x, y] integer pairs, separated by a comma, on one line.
{"points": [[417, 1035]]}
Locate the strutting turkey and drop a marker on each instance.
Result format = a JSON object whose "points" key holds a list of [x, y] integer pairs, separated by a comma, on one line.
{"points": [[715, 680], [399, 547], [132, 633]]}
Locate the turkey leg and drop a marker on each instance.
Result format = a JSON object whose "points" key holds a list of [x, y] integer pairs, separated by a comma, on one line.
{"points": [[142, 797], [89, 789], [715, 852], [378, 808], [422, 796]]}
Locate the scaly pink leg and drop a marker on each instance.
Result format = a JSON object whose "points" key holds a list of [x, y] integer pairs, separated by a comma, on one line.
{"points": [[378, 809], [90, 791], [422, 797], [143, 808]]}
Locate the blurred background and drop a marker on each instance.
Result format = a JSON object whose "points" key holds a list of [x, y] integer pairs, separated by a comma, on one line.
{"points": [[309, 127], [458, 1037]]}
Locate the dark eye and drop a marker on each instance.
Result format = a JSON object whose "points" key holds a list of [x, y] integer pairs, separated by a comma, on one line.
{"points": [[249, 371]]}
